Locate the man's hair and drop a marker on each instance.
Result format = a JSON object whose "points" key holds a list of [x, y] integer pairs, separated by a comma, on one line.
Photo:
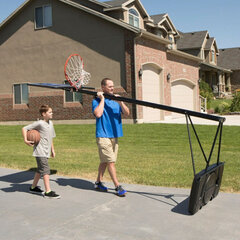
{"points": [[104, 81], [43, 109]]}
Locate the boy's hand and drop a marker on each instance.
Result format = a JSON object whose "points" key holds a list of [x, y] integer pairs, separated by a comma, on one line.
{"points": [[53, 154], [29, 143]]}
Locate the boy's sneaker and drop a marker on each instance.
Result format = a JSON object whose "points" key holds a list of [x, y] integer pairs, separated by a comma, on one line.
{"points": [[36, 190], [120, 191], [100, 187], [51, 195]]}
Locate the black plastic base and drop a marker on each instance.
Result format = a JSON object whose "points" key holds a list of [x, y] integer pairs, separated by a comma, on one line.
{"points": [[205, 187]]}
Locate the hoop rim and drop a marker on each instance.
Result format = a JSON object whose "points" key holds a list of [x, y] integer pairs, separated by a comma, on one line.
{"points": [[65, 68]]}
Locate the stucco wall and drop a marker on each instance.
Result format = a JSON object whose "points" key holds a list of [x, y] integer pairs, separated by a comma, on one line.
{"points": [[29, 55]]}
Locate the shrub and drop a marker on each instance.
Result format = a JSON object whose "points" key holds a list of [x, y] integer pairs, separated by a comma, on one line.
{"points": [[206, 91], [235, 106], [223, 107]]}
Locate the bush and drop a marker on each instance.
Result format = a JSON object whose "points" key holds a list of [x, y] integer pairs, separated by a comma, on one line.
{"points": [[223, 107], [206, 92], [235, 106]]}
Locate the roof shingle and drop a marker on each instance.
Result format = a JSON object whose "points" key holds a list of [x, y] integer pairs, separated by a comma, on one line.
{"points": [[229, 58], [191, 40], [115, 3]]}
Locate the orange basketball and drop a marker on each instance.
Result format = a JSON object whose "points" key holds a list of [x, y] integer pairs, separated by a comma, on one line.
{"points": [[34, 136]]}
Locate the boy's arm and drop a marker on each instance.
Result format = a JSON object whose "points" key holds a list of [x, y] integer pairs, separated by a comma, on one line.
{"points": [[24, 133], [53, 151]]}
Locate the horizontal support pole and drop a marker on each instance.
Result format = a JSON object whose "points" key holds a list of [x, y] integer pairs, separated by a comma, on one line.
{"points": [[134, 101]]}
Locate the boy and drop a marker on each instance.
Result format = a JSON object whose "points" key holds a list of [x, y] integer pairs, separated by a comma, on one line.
{"points": [[42, 150]]}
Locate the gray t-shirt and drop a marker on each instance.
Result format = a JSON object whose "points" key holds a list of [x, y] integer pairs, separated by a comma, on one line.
{"points": [[47, 133]]}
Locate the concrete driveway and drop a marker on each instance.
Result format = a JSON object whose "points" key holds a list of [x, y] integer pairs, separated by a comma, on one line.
{"points": [[147, 212]]}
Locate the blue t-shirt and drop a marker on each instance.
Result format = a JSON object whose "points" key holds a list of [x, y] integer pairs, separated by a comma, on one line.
{"points": [[109, 125]]}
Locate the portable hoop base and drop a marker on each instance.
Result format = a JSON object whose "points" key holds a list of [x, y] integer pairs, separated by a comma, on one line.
{"points": [[205, 187]]}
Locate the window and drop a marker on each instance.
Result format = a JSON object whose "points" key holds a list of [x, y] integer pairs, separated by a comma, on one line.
{"points": [[20, 93], [43, 17], [213, 56], [170, 38], [133, 17], [159, 33], [72, 96]]}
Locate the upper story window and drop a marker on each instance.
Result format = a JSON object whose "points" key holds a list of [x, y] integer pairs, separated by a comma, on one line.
{"points": [[133, 17], [43, 17], [20, 93], [212, 56], [170, 37], [159, 33]]}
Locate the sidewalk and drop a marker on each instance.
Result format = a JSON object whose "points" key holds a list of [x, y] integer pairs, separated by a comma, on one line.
{"points": [[146, 213]]}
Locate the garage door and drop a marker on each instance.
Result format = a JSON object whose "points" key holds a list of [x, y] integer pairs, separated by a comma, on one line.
{"points": [[182, 95], [151, 92]]}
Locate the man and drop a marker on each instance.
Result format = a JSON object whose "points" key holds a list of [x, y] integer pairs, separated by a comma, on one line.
{"points": [[108, 130]]}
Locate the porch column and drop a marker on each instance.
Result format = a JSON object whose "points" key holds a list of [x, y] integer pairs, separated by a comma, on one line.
{"points": [[223, 83], [229, 82], [219, 83]]}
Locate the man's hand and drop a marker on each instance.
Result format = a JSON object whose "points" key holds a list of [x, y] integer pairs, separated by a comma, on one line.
{"points": [[100, 95]]}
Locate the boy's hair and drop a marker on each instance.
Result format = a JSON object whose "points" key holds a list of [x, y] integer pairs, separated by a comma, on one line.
{"points": [[104, 81], [43, 109]]}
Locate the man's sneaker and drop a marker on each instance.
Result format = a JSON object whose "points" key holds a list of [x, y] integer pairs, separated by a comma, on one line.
{"points": [[120, 191], [100, 187], [51, 195], [36, 190]]}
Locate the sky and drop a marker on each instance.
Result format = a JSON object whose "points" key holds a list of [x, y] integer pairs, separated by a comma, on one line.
{"points": [[219, 17]]}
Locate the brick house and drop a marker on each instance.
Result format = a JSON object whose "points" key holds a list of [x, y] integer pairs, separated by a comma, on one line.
{"points": [[205, 47], [117, 39], [230, 58]]}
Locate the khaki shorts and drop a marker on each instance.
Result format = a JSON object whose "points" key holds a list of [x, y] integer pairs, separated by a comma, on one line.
{"points": [[107, 149]]}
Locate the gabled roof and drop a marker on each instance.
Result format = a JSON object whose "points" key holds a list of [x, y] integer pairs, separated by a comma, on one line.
{"points": [[191, 40], [229, 58], [159, 19], [210, 42], [122, 4]]}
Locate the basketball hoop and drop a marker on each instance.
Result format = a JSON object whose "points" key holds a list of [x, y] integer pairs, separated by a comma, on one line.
{"points": [[74, 73]]}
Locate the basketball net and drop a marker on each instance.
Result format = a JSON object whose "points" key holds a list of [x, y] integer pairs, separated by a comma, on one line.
{"points": [[74, 72]]}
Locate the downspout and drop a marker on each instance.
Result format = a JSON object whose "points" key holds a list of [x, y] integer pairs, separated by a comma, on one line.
{"points": [[138, 35]]}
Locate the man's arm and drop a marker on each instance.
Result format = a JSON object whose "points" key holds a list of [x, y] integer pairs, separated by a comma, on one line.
{"points": [[98, 112], [125, 109]]}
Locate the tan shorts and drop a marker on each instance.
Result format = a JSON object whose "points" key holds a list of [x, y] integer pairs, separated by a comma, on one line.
{"points": [[107, 149]]}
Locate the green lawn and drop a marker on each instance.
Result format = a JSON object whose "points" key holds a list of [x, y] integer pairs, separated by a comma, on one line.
{"points": [[152, 154]]}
